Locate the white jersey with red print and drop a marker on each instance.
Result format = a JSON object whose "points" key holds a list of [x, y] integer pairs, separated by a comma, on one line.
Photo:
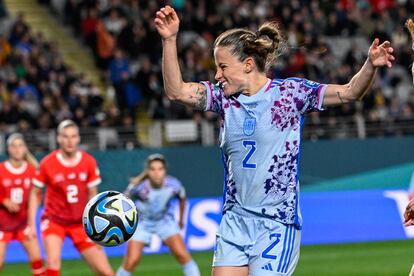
{"points": [[67, 185], [15, 184], [260, 139]]}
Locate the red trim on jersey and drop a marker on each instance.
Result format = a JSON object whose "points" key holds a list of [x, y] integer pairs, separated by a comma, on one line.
{"points": [[320, 89], [268, 86]]}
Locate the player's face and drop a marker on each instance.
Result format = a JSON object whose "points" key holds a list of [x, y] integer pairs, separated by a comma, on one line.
{"points": [[69, 139], [17, 149], [230, 71], [156, 173]]}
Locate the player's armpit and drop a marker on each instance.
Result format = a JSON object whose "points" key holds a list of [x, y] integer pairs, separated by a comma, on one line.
{"points": [[194, 95]]}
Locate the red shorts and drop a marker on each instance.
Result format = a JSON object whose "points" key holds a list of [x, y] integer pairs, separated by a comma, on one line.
{"points": [[7, 237], [75, 232]]}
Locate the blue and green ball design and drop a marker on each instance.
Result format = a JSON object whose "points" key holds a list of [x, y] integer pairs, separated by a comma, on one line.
{"points": [[110, 218]]}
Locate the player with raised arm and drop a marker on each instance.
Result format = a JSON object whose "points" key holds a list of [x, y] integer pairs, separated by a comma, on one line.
{"points": [[260, 139], [70, 177], [16, 176], [152, 191]]}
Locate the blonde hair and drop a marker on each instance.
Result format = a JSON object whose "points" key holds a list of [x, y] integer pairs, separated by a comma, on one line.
{"points": [[28, 157], [65, 124], [264, 45]]}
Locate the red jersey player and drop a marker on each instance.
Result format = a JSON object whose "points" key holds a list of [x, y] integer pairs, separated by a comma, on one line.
{"points": [[16, 175], [70, 177]]}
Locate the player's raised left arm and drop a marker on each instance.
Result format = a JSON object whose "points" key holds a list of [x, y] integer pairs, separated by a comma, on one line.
{"points": [[378, 56]]}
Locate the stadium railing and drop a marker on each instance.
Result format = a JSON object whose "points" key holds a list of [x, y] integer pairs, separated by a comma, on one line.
{"points": [[179, 132]]}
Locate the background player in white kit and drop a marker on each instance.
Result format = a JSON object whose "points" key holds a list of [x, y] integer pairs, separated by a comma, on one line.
{"points": [[260, 139], [153, 191]]}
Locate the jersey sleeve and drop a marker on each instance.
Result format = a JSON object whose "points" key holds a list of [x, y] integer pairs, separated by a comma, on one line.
{"points": [[94, 176], [179, 189], [308, 95], [2, 191], [40, 177], [214, 97]]}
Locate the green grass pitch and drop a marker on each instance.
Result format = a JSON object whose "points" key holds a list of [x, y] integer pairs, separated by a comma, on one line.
{"points": [[376, 258]]}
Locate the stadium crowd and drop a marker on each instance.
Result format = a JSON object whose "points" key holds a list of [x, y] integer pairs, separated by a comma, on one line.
{"points": [[125, 43], [324, 42], [37, 90]]}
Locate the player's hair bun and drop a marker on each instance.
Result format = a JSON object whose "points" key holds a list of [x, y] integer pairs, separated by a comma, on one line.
{"points": [[264, 45]]}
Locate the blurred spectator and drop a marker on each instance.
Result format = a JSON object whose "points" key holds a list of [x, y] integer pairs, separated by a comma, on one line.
{"points": [[37, 90], [121, 34]]}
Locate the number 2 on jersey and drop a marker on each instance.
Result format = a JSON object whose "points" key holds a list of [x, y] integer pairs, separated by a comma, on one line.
{"points": [[72, 193], [251, 146]]}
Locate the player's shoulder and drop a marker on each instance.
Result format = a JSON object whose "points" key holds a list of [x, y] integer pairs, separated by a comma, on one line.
{"points": [[49, 158], [281, 82], [31, 168], [172, 181], [142, 185], [293, 83], [87, 156]]}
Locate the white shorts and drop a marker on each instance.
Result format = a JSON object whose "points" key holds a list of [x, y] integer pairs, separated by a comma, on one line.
{"points": [[164, 228], [266, 246]]}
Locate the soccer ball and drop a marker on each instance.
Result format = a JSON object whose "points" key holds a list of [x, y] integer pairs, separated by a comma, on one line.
{"points": [[110, 218]]}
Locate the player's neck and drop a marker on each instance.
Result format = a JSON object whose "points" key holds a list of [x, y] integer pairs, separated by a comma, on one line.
{"points": [[257, 83], [69, 156], [155, 185], [16, 163]]}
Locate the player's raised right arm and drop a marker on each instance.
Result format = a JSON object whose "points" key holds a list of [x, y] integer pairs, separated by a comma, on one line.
{"points": [[192, 94]]}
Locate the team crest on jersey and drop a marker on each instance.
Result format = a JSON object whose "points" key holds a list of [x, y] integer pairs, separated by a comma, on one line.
{"points": [[249, 126], [7, 182], [82, 176], [27, 182], [59, 177]]}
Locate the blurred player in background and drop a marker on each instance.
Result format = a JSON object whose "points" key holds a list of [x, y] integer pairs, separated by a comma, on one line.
{"points": [[260, 138], [409, 24], [70, 177], [16, 176], [152, 191]]}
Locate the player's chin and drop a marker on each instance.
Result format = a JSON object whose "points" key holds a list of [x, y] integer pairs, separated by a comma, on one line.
{"points": [[70, 149], [228, 91]]}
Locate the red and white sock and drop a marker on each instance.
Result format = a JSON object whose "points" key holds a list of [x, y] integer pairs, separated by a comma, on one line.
{"points": [[52, 272], [37, 268]]}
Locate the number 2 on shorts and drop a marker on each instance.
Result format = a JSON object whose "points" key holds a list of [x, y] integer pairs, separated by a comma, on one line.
{"points": [[265, 253]]}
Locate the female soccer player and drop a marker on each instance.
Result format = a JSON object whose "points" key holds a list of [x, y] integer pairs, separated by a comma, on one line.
{"points": [[153, 191], [16, 176], [70, 177], [260, 138]]}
